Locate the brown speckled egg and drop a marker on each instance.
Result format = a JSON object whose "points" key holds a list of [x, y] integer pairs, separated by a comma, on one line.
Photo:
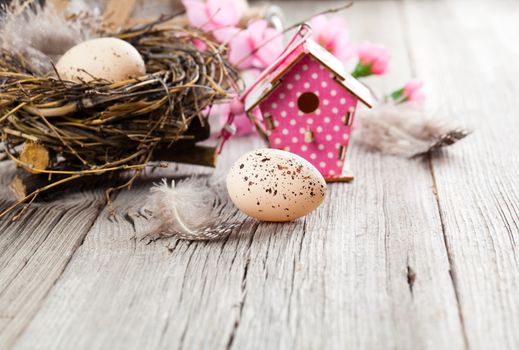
{"points": [[273, 185], [103, 58]]}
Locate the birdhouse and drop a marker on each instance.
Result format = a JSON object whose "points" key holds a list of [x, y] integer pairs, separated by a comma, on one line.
{"points": [[308, 104]]}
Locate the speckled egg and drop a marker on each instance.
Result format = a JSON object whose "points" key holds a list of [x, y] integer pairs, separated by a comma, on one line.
{"points": [[105, 58], [274, 185]]}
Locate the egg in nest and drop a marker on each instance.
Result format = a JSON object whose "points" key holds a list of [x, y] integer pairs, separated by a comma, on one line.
{"points": [[110, 59]]}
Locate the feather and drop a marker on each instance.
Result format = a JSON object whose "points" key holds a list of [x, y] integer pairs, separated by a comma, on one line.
{"points": [[40, 34], [405, 130], [188, 210]]}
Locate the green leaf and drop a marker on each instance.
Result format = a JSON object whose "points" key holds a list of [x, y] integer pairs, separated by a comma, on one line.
{"points": [[362, 70]]}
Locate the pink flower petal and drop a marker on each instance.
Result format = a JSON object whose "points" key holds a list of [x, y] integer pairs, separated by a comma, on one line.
{"points": [[224, 12], [213, 14], [375, 55], [195, 11], [240, 50], [225, 35], [333, 35], [413, 91], [255, 47]]}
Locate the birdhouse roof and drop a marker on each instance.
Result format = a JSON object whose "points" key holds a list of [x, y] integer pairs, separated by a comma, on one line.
{"points": [[272, 76]]}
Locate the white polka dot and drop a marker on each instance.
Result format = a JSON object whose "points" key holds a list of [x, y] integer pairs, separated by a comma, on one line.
{"points": [[322, 164], [300, 114], [274, 105], [282, 95], [320, 147], [339, 163], [285, 132], [299, 93], [310, 121], [326, 102], [326, 119], [318, 112], [295, 140], [297, 77], [290, 86], [335, 110], [345, 136], [314, 76], [330, 155], [331, 75], [351, 109], [313, 156], [316, 92], [324, 84], [305, 67], [321, 67], [327, 137], [319, 129], [343, 101], [292, 122], [307, 85], [283, 114], [291, 104], [302, 130], [333, 92], [304, 148], [286, 148], [336, 128], [332, 172], [277, 141], [276, 123]]}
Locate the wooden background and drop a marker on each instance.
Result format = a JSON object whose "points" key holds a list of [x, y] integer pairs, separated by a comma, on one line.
{"points": [[414, 254]]}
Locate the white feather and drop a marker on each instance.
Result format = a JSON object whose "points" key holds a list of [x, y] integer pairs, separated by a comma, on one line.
{"points": [[189, 209], [40, 34], [405, 130]]}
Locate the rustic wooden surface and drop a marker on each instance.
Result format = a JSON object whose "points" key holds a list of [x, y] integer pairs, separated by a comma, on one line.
{"points": [[414, 254]]}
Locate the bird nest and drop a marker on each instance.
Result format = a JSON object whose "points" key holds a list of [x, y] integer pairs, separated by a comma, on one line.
{"points": [[67, 130]]}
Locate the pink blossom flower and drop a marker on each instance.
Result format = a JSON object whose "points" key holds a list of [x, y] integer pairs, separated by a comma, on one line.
{"points": [[411, 92], [255, 47], [216, 16], [333, 35], [373, 59]]}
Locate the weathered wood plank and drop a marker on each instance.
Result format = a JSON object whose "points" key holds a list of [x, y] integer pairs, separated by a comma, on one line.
{"points": [[151, 295], [34, 251], [465, 54], [369, 269]]}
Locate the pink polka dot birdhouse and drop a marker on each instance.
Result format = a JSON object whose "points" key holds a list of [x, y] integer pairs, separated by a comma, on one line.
{"points": [[308, 103]]}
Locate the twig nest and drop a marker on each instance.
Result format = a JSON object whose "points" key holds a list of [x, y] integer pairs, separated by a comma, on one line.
{"points": [[274, 185], [110, 59]]}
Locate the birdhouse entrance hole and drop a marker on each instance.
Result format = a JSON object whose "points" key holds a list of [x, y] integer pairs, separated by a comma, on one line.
{"points": [[308, 102]]}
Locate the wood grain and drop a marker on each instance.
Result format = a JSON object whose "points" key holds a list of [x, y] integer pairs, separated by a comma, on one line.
{"points": [[471, 78], [34, 251], [414, 254]]}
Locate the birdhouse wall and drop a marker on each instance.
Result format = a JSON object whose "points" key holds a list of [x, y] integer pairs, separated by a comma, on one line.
{"points": [[310, 114]]}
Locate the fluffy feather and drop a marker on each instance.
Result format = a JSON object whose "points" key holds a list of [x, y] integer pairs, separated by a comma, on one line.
{"points": [[189, 210], [405, 130], [40, 34]]}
